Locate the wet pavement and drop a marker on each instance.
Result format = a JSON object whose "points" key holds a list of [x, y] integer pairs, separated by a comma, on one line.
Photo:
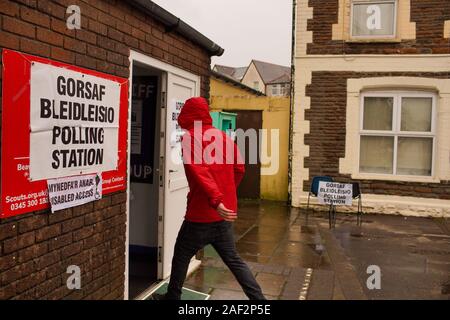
{"points": [[296, 256]]}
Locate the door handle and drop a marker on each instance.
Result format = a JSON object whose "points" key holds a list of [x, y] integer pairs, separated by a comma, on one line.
{"points": [[173, 171]]}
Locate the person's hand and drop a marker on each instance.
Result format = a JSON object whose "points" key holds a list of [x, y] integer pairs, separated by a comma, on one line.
{"points": [[226, 214]]}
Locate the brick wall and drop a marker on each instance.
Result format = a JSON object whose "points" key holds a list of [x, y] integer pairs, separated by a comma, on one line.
{"points": [[429, 16], [37, 248], [326, 140]]}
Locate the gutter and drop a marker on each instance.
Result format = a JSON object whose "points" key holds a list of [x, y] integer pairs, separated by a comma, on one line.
{"points": [[292, 113], [174, 23]]}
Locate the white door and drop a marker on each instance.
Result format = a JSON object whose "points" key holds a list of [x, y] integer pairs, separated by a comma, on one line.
{"points": [[180, 87]]}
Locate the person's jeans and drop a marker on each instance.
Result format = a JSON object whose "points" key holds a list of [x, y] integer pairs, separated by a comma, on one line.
{"points": [[194, 236]]}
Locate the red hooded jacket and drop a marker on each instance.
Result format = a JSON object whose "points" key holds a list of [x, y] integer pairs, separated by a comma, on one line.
{"points": [[212, 164]]}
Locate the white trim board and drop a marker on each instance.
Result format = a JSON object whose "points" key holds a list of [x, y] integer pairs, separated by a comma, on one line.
{"points": [[374, 63], [164, 67]]}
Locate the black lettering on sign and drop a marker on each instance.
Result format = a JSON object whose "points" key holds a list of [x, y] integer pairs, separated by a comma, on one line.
{"points": [[77, 158], [46, 108], [78, 135], [69, 110], [80, 89]]}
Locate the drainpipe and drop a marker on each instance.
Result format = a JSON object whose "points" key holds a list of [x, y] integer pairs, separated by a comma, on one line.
{"points": [[174, 23], [292, 107]]}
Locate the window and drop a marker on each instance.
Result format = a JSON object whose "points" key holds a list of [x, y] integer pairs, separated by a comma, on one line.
{"points": [[256, 85], [279, 89], [275, 91], [397, 134], [374, 19]]}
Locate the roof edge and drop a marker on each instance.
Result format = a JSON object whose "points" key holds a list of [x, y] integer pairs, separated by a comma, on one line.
{"points": [[236, 83], [174, 23]]}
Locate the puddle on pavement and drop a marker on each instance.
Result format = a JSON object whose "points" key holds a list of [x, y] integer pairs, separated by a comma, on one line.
{"points": [[357, 235], [281, 237]]}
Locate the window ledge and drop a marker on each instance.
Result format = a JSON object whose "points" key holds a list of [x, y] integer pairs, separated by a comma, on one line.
{"points": [[363, 176], [374, 40]]}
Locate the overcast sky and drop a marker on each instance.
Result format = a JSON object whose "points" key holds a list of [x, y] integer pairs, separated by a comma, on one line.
{"points": [[246, 29]]}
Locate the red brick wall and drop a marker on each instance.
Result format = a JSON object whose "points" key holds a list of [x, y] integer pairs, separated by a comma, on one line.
{"points": [[429, 16], [326, 140], [37, 248]]}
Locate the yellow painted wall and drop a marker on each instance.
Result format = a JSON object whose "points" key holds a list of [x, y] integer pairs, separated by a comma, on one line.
{"points": [[275, 113]]}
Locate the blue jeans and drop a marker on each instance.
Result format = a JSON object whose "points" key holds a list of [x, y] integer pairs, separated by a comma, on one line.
{"points": [[195, 236]]}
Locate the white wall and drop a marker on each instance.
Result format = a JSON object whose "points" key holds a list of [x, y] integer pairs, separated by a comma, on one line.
{"points": [[251, 76]]}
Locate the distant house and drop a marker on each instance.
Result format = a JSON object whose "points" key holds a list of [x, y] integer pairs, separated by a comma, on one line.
{"points": [[271, 79], [234, 73], [268, 78]]}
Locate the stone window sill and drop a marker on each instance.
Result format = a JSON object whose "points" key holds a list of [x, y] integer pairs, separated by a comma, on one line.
{"points": [[373, 40], [384, 177]]}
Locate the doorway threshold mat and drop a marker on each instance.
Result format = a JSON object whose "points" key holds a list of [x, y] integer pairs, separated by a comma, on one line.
{"points": [[187, 294]]}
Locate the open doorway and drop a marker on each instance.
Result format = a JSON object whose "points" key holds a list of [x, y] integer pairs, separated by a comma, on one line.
{"points": [[250, 185], [156, 201], [144, 178]]}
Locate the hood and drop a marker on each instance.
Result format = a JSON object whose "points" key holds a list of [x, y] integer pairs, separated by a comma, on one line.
{"points": [[194, 109]]}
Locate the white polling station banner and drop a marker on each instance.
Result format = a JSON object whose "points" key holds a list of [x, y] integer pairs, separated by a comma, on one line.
{"points": [[74, 123], [74, 191], [338, 194]]}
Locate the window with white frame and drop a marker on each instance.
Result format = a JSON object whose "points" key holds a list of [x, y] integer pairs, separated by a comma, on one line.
{"points": [[374, 19], [275, 91], [279, 89], [398, 133], [256, 85]]}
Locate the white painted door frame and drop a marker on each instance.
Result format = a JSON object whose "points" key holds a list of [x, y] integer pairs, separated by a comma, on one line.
{"points": [[166, 69]]}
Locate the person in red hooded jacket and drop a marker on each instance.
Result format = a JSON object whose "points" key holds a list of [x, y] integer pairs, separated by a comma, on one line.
{"points": [[214, 169]]}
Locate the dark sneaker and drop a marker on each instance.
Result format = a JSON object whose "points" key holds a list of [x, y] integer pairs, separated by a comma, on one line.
{"points": [[158, 296]]}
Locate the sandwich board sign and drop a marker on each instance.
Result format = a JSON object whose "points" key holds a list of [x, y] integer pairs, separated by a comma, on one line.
{"points": [[334, 193]]}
